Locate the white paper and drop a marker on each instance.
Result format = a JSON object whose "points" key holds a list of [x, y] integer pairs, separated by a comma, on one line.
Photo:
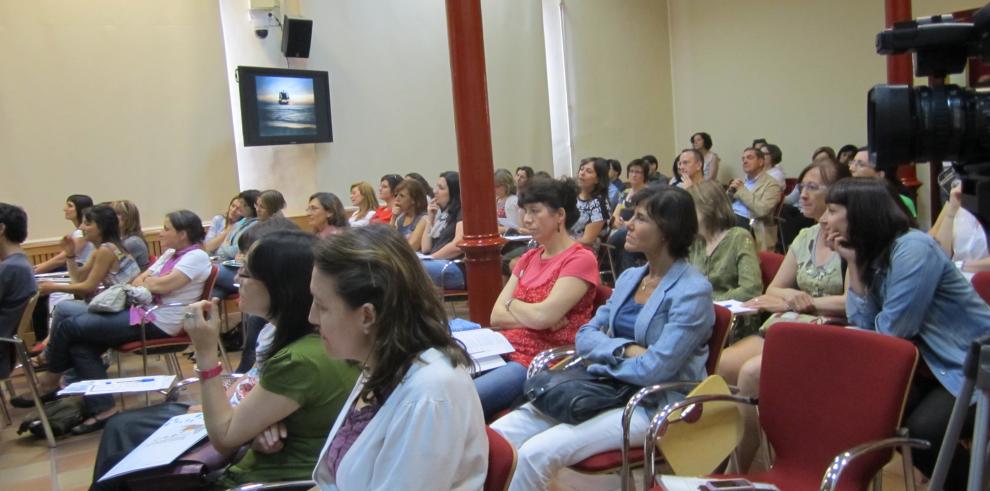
{"points": [[167, 443], [518, 238], [675, 483], [736, 307], [487, 363], [118, 385], [484, 342]]}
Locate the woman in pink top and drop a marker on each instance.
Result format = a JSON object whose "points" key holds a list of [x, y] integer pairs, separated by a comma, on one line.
{"points": [[549, 295]]}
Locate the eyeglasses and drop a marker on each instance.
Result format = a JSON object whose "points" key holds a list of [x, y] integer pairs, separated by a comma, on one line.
{"points": [[811, 186], [860, 163], [312, 209]]}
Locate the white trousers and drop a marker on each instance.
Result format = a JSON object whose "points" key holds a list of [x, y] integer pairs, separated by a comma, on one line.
{"points": [[545, 445]]}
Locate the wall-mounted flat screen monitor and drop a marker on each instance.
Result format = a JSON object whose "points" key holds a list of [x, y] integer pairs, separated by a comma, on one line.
{"points": [[281, 106]]}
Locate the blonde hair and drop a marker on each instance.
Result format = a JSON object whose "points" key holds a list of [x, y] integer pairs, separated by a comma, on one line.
{"points": [[131, 218], [713, 205], [368, 199]]}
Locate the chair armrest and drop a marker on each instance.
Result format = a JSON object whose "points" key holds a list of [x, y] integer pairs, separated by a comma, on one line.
{"points": [[287, 485], [659, 421], [831, 479], [543, 360]]}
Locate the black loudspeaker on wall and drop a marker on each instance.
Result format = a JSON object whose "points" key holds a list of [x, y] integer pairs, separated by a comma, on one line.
{"points": [[296, 35]]}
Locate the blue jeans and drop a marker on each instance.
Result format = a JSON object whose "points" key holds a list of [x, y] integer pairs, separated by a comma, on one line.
{"points": [[225, 282], [498, 388], [80, 341], [453, 277]]}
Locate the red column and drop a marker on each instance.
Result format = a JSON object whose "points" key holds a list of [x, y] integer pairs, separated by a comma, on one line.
{"points": [[900, 70], [482, 244]]}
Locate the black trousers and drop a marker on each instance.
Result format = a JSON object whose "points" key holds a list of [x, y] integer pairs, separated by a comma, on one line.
{"points": [[927, 413], [123, 433]]}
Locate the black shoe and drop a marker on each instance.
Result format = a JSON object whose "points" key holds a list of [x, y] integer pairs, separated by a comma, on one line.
{"points": [[83, 428], [25, 400]]}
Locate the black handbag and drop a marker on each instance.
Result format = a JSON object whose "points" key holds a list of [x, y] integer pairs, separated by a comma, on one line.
{"points": [[574, 396]]}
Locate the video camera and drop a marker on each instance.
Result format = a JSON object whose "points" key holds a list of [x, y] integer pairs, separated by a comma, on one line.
{"points": [[941, 122]]}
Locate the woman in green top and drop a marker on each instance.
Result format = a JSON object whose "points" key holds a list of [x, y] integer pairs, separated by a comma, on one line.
{"points": [[300, 390], [286, 407], [723, 252]]}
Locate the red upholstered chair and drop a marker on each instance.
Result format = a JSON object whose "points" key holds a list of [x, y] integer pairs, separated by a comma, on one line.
{"points": [[612, 461], [981, 283], [501, 462], [171, 345], [824, 390], [769, 264]]}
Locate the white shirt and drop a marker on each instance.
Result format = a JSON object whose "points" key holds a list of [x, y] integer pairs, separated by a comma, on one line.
{"points": [[429, 434], [196, 265], [969, 240], [358, 221]]}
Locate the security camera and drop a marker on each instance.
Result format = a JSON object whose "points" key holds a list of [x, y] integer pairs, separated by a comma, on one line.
{"points": [[261, 33]]}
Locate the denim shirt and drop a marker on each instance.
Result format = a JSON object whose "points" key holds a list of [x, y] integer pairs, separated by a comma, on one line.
{"points": [[923, 297], [674, 324]]}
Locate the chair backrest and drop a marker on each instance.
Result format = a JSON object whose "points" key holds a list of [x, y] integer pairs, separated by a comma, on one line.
{"points": [[789, 184], [602, 293], [501, 462], [211, 281], [827, 389], [769, 264], [723, 320], [24, 325], [981, 283]]}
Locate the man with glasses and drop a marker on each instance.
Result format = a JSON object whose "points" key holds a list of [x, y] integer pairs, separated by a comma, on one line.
{"points": [[862, 166], [755, 198]]}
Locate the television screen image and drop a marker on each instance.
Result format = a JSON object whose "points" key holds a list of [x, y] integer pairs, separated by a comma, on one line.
{"points": [[284, 106]]}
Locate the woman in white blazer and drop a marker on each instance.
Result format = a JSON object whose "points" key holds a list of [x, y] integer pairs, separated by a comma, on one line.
{"points": [[413, 420]]}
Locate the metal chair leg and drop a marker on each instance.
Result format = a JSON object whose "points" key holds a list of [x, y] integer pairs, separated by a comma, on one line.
{"points": [[6, 412]]}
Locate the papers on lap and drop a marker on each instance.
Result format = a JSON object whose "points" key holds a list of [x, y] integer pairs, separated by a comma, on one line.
{"points": [[736, 307], [674, 483], [163, 446], [118, 385], [485, 347]]}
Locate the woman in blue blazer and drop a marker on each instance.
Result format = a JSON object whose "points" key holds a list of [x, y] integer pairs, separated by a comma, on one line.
{"points": [[654, 329]]}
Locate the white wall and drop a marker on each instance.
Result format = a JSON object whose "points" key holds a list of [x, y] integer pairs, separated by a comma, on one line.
{"points": [[118, 100]]}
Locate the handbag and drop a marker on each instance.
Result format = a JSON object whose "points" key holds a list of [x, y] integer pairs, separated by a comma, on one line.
{"points": [[113, 299], [573, 395]]}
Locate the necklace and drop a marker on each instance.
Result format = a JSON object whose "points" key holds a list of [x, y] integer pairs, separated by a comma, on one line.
{"points": [[643, 285]]}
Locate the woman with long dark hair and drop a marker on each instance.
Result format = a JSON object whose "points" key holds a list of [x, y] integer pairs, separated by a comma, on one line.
{"points": [[902, 284], [413, 421], [444, 231], [702, 142], [73, 210], [592, 224]]}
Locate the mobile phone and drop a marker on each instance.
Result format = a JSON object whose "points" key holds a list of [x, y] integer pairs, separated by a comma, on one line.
{"points": [[727, 485], [948, 179]]}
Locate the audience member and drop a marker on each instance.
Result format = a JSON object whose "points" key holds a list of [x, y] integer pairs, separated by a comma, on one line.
{"points": [[506, 202], [326, 214], [862, 166], [654, 329], [549, 295], [413, 420], [363, 197], [592, 203], [900, 284], [75, 205], [16, 279], [823, 152], [723, 252], [960, 234], [227, 249], [772, 156], [759, 143], [445, 231], [846, 154], [270, 204], [177, 276], [689, 168], [220, 225], [636, 172], [522, 176], [386, 193], [702, 142], [422, 181], [615, 184], [131, 234], [754, 199], [410, 208], [655, 175]]}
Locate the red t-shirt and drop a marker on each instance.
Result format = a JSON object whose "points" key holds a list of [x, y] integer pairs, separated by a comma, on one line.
{"points": [[382, 215], [536, 279]]}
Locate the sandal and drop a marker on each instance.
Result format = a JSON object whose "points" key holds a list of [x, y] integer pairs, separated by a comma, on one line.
{"points": [[98, 424], [26, 401]]}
